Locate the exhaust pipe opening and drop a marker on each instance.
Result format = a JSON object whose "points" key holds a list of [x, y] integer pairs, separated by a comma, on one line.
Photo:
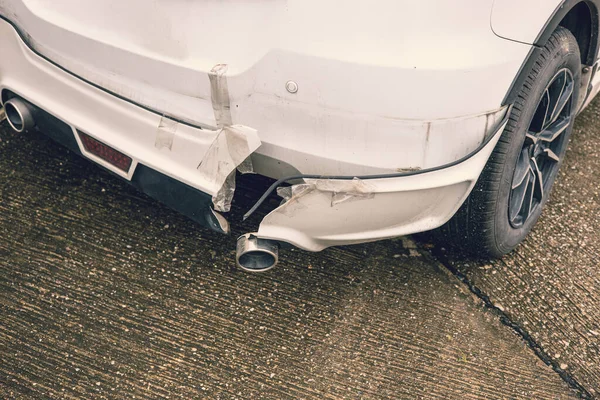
{"points": [[19, 114], [255, 254]]}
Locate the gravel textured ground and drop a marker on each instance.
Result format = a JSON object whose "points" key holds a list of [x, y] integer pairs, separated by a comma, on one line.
{"points": [[106, 294]]}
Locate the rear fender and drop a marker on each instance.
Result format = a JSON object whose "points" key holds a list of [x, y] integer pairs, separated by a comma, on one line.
{"points": [[533, 22]]}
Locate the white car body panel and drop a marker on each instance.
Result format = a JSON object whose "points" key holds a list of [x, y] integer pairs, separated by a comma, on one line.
{"points": [[361, 91], [126, 127], [522, 20], [402, 87]]}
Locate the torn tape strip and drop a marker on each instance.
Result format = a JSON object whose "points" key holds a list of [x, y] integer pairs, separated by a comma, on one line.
{"points": [[230, 149], [220, 95], [165, 133], [341, 191]]}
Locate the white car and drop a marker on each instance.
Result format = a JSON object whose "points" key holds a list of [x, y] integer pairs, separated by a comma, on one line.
{"points": [[375, 119]]}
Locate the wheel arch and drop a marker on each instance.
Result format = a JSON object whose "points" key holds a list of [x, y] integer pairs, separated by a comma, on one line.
{"points": [[568, 14]]}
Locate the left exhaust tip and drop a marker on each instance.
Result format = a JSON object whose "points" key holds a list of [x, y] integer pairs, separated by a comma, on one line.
{"points": [[255, 254], [19, 114]]}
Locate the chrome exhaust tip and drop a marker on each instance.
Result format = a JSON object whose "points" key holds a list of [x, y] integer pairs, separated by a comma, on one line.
{"points": [[19, 114], [255, 254]]}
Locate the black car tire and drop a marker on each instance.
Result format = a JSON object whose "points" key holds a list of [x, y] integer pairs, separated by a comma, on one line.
{"points": [[484, 226]]}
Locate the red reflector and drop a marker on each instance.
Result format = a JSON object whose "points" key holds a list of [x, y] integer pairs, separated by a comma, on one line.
{"points": [[105, 152]]}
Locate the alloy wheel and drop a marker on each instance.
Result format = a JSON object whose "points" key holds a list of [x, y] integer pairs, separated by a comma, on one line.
{"points": [[542, 149]]}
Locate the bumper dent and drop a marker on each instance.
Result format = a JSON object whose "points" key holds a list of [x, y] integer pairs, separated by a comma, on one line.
{"points": [[327, 212]]}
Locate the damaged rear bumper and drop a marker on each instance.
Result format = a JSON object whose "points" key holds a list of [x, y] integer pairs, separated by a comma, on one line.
{"points": [[189, 168], [320, 213], [184, 166]]}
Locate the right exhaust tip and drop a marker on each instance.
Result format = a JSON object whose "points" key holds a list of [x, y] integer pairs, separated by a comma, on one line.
{"points": [[19, 114], [255, 254]]}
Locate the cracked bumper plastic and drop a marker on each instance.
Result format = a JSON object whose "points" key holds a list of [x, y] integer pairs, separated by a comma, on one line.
{"points": [[323, 213]]}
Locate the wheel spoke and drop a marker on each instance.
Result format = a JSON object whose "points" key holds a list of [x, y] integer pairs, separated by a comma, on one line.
{"points": [[528, 199], [554, 131], [546, 100], [556, 88], [518, 195], [539, 181], [531, 137], [522, 169], [551, 155], [565, 96]]}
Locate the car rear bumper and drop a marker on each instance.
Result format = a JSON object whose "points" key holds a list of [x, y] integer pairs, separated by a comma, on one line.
{"points": [[321, 213], [186, 167], [66, 106]]}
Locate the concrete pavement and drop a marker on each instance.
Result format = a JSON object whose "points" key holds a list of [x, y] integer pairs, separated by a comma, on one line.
{"points": [[550, 286], [106, 294]]}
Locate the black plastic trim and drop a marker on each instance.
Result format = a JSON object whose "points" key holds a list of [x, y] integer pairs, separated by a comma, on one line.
{"points": [[521, 77], [56, 129], [560, 13], [182, 198]]}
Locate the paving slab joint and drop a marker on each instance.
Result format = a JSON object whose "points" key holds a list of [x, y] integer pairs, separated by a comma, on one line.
{"points": [[507, 321]]}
